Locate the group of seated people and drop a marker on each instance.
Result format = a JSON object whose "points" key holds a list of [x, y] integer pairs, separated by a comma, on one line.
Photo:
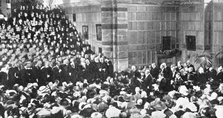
{"points": [[41, 45], [47, 71]]}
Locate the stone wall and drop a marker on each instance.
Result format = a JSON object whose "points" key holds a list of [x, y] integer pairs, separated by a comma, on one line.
{"points": [[139, 29], [87, 16], [191, 22], [132, 30], [114, 32], [147, 25], [217, 45]]}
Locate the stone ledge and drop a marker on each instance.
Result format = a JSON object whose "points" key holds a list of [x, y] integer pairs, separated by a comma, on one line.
{"points": [[114, 26], [113, 9], [115, 43]]}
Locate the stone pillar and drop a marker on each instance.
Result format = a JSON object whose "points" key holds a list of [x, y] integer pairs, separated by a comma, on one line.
{"points": [[114, 33]]}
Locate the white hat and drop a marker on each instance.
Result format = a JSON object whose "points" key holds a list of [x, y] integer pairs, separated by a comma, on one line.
{"points": [[207, 91], [81, 105], [96, 115], [183, 90], [56, 110], [220, 98], [213, 96], [196, 88], [158, 114], [173, 116], [218, 111], [146, 105], [191, 106], [124, 105], [123, 93], [112, 112], [139, 102], [103, 93], [156, 87], [143, 112], [189, 115], [137, 89], [76, 116], [42, 90], [44, 113], [172, 93], [143, 94], [182, 102]]}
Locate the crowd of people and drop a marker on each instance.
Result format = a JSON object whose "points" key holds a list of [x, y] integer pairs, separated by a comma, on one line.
{"points": [[47, 71], [41, 45]]}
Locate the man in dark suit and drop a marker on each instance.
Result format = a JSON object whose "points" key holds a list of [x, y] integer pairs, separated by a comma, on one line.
{"points": [[94, 64], [202, 77], [167, 76], [27, 75], [88, 50], [73, 73], [219, 76], [56, 71], [167, 73], [37, 72], [109, 68], [102, 69], [154, 71], [188, 63], [191, 77], [148, 81], [65, 68], [134, 72], [3, 77], [89, 70], [13, 75], [134, 76], [46, 73]]}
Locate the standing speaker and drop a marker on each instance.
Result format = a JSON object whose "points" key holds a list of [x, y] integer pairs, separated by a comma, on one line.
{"points": [[191, 42]]}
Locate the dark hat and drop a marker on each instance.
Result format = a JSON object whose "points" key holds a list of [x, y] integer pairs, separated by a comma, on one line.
{"points": [[121, 99], [158, 105], [168, 112], [87, 112], [65, 102], [123, 115], [102, 107], [179, 113], [127, 98], [75, 105]]}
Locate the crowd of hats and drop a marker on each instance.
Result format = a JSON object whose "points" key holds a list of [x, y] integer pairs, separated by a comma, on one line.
{"points": [[47, 71], [135, 93]]}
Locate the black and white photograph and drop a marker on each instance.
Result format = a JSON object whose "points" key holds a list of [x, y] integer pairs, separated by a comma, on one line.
{"points": [[111, 58]]}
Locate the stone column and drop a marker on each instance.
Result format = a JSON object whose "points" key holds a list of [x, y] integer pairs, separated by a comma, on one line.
{"points": [[114, 33]]}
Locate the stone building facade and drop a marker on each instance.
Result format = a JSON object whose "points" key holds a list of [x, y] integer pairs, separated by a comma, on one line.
{"points": [[140, 32], [5, 6]]}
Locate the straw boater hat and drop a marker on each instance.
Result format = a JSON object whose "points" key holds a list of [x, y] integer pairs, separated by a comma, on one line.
{"points": [[11, 94]]}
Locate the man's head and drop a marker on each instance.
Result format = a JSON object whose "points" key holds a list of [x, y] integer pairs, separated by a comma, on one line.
{"points": [[133, 68], [147, 71], [153, 65]]}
